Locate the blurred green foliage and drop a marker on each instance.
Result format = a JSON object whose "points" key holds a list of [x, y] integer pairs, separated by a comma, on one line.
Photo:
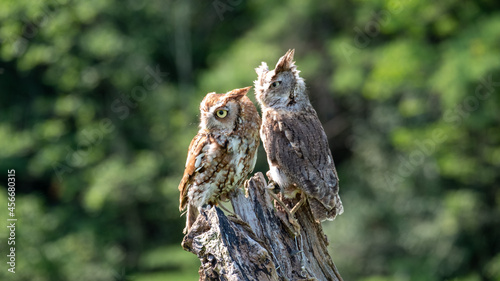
{"points": [[408, 92]]}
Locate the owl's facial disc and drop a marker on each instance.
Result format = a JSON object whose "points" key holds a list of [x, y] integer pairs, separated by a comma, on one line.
{"points": [[221, 117], [278, 92]]}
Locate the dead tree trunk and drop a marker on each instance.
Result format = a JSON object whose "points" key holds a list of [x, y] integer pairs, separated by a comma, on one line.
{"points": [[262, 245]]}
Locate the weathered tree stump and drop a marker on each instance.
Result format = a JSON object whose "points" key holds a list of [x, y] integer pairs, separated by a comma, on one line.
{"points": [[261, 245]]}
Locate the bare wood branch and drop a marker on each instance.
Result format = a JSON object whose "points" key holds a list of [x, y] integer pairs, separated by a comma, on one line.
{"points": [[260, 245]]}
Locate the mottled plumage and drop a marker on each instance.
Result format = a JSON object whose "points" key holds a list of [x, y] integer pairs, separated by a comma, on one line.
{"points": [[295, 142], [222, 154]]}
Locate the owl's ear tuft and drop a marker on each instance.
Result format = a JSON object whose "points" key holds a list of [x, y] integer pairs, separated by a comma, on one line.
{"points": [[238, 93], [285, 62]]}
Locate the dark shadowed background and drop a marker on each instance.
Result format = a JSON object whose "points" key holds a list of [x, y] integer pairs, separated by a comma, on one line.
{"points": [[99, 101]]}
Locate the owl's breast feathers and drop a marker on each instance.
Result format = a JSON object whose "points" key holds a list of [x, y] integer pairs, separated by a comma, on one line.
{"points": [[297, 145], [215, 165]]}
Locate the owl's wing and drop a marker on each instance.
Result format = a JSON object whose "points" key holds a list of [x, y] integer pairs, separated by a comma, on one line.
{"points": [[298, 145], [193, 162]]}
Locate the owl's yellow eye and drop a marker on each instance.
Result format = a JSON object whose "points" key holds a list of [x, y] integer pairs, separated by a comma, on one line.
{"points": [[221, 113], [275, 84]]}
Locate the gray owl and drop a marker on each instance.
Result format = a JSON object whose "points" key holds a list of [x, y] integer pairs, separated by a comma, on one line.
{"points": [[299, 158]]}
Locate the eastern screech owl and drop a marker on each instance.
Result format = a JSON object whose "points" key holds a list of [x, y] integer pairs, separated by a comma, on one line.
{"points": [[222, 154], [295, 142]]}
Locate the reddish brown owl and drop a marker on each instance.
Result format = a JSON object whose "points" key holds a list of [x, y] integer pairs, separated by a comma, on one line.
{"points": [[222, 154], [297, 149]]}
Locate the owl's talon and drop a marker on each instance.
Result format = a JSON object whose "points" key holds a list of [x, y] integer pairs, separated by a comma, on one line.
{"points": [[205, 207], [299, 204], [291, 219], [272, 186], [276, 189]]}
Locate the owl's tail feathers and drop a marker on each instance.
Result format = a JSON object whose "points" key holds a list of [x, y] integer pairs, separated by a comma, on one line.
{"points": [[192, 214], [321, 213]]}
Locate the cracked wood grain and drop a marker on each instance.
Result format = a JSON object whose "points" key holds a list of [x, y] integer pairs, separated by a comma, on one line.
{"points": [[259, 245]]}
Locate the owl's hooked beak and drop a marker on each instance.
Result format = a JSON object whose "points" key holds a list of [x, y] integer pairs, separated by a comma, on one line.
{"points": [[285, 62]]}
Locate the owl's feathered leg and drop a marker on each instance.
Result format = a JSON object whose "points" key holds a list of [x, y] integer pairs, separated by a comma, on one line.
{"points": [[192, 215], [299, 204], [272, 186], [291, 218]]}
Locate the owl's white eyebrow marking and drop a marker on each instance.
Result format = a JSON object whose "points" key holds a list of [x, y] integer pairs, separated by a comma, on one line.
{"points": [[217, 106]]}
